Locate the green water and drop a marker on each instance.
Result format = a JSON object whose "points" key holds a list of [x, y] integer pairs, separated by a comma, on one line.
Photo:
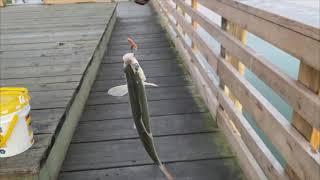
{"points": [[287, 64], [283, 61]]}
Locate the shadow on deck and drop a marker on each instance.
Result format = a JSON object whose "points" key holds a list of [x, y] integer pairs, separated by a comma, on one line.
{"points": [[105, 144]]}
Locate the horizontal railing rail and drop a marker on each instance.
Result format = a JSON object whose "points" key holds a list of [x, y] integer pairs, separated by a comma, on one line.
{"points": [[227, 97]]}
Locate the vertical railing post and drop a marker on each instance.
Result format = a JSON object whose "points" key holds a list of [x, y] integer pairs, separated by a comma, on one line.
{"points": [[194, 5], [2, 3], [309, 77], [180, 11], [177, 24], [240, 34], [177, 9]]}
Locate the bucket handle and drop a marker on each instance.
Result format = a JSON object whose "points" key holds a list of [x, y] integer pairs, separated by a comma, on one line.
{"points": [[12, 124]]}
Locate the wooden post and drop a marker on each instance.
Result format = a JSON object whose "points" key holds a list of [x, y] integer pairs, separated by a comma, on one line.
{"points": [[240, 34], [194, 5], [309, 77], [180, 11], [2, 3], [177, 25]]}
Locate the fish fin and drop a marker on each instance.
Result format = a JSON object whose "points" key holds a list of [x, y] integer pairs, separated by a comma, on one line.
{"points": [[150, 84], [166, 172], [118, 90]]}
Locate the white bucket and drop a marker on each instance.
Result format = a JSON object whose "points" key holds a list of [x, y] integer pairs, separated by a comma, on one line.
{"points": [[15, 130]]}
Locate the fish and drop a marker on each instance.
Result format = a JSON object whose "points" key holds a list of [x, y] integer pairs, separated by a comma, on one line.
{"points": [[136, 81]]}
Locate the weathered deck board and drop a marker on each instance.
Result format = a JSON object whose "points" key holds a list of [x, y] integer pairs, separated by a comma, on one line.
{"points": [[43, 71], [164, 70], [106, 145], [156, 108], [128, 152], [154, 94], [44, 83], [142, 57], [49, 45], [168, 81], [198, 170], [141, 45], [48, 49], [162, 125]]}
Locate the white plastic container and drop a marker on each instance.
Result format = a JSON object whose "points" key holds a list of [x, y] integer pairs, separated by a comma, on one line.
{"points": [[16, 135]]}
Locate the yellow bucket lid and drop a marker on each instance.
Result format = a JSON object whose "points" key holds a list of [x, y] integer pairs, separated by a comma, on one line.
{"points": [[13, 99]]}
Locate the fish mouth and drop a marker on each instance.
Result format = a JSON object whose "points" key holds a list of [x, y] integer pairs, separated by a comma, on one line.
{"points": [[141, 2]]}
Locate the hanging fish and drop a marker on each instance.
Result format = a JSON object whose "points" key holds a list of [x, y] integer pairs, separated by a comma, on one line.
{"points": [[139, 105]]}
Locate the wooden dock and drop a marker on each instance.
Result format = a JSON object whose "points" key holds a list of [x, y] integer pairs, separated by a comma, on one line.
{"points": [[69, 55], [54, 51], [106, 145]]}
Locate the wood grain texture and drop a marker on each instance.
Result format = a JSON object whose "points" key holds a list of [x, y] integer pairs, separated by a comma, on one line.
{"points": [[130, 152], [310, 78], [206, 85], [296, 137], [49, 45], [156, 108], [288, 141], [51, 64], [302, 47], [246, 160], [142, 57], [93, 131], [285, 13], [268, 163], [168, 81], [141, 46], [296, 95], [201, 170], [163, 70], [153, 93], [248, 163], [73, 1]]}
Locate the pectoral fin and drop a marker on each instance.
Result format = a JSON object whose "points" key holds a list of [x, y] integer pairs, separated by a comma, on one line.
{"points": [[118, 90], [150, 84]]}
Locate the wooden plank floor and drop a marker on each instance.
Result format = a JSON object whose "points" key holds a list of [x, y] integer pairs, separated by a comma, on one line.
{"points": [[47, 49], [105, 144]]}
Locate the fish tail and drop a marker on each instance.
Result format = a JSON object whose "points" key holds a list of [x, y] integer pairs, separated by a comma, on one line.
{"points": [[165, 172]]}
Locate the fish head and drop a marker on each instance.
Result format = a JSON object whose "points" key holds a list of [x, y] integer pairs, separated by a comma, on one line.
{"points": [[130, 59]]}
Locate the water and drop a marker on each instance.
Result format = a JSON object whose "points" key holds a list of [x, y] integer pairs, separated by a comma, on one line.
{"points": [[283, 61], [287, 64]]}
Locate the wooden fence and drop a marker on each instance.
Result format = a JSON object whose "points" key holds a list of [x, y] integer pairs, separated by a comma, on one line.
{"points": [[297, 142]]}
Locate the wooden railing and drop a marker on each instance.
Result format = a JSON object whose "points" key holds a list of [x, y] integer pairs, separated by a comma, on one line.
{"points": [[3, 2], [297, 142]]}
